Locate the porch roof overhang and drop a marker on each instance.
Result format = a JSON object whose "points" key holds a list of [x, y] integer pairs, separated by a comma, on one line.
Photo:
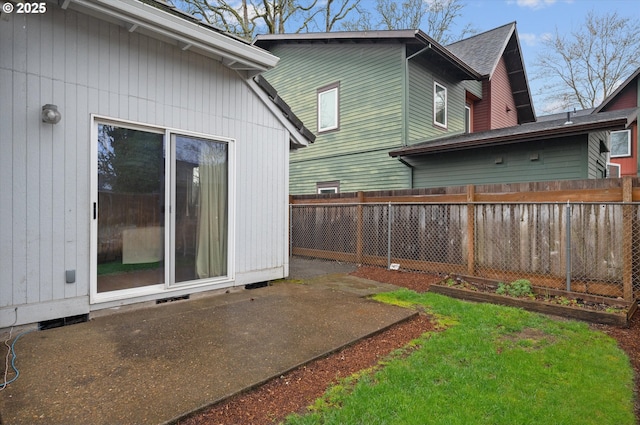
{"points": [[606, 121], [162, 21]]}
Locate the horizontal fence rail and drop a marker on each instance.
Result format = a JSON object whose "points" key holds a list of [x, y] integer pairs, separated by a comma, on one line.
{"points": [[589, 247]]}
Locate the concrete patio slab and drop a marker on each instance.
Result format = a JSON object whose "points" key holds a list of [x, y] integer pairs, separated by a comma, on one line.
{"points": [[153, 365]]}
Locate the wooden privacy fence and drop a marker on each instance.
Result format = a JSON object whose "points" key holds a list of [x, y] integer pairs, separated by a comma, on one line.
{"points": [[579, 235]]}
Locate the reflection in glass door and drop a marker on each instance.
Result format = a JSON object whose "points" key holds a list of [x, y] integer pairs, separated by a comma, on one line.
{"points": [[201, 213], [130, 208]]}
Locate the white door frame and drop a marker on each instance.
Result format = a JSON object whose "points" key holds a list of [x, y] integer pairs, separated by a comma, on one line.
{"points": [[168, 287]]}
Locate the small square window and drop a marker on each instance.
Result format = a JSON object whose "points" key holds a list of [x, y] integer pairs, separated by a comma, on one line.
{"points": [[620, 143], [328, 108], [328, 187], [439, 105]]}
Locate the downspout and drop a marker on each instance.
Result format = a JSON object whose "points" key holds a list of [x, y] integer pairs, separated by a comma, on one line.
{"points": [[637, 144], [410, 171]]}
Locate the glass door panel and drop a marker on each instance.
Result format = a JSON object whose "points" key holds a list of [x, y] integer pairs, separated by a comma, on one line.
{"points": [[201, 213], [130, 209]]}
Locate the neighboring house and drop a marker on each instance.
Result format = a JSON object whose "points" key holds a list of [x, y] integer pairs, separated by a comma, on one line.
{"points": [[624, 155], [373, 92], [555, 149], [140, 160]]}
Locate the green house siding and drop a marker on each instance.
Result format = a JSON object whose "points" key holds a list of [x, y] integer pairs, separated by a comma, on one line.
{"points": [[374, 170], [597, 159], [536, 161], [371, 102], [371, 110], [421, 124], [473, 87]]}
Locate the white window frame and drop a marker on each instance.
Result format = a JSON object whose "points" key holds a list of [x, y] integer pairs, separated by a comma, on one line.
{"points": [[168, 287], [437, 86], [613, 165], [328, 187], [324, 91], [467, 118], [628, 153]]}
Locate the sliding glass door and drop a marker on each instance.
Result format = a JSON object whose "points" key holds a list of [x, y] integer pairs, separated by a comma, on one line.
{"points": [[201, 214], [162, 209], [130, 208]]}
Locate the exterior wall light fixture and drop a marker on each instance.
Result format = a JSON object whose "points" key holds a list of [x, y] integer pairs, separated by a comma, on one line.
{"points": [[50, 114]]}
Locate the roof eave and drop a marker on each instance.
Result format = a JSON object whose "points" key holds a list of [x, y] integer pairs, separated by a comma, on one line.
{"points": [[446, 54], [561, 131], [617, 91], [138, 16]]}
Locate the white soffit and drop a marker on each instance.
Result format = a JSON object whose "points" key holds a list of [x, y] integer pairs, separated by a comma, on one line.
{"points": [[136, 16]]}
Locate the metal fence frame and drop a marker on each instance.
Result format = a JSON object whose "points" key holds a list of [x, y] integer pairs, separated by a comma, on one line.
{"points": [[510, 240]]}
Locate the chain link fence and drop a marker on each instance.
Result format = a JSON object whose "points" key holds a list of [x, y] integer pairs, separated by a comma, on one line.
{"points": [[583, 247]]}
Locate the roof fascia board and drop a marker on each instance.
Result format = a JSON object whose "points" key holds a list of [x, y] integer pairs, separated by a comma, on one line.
{"points": [[617, 91], [339, 35], [568, 131], [445, 53], [505, 42], [186, 33], [294, 134]]}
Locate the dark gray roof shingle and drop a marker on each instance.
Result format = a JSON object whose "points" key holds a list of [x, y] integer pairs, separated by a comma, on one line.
{"points": [[614, 120], [483, 51]]}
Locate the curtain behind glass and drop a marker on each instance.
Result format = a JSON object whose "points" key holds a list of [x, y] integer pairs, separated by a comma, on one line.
{"points": [[211, 248]]}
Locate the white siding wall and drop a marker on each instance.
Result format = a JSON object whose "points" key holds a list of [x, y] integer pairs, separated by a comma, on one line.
{"points": [[87, 66]]}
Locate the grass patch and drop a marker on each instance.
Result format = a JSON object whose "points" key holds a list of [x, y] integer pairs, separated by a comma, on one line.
{"points": [[491, 365]]}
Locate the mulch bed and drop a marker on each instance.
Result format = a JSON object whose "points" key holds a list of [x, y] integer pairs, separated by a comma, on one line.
{"points": [[294, 391]]}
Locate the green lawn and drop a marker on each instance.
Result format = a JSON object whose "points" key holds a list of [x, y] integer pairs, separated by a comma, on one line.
{"points": [[117, 267], [492, 365]]}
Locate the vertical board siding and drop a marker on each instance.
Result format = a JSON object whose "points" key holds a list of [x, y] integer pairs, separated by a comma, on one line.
{"points": [[6, 184], [87, 66]]}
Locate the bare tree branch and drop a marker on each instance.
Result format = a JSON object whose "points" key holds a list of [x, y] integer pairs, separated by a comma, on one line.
{"points": [[587, 65]]}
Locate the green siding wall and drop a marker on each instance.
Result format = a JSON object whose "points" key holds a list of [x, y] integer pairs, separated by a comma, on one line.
{"points": [[371, 78], [374, 170], [597, 160], [421, 126], [556, 161], [371, 95]]}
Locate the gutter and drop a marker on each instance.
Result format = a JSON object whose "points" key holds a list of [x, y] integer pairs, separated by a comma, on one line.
{"points": [[135, 16], [574, 129]]}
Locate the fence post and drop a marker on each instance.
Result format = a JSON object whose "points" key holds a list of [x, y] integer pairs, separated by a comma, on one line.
{"points": [[389, 218], [567, 252], [471, 231], [360, 228], [627, 238]]}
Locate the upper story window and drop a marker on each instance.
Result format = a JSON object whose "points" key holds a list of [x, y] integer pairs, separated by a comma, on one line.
{"points": [[620, 143], [439, 105], [328, 107]]}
